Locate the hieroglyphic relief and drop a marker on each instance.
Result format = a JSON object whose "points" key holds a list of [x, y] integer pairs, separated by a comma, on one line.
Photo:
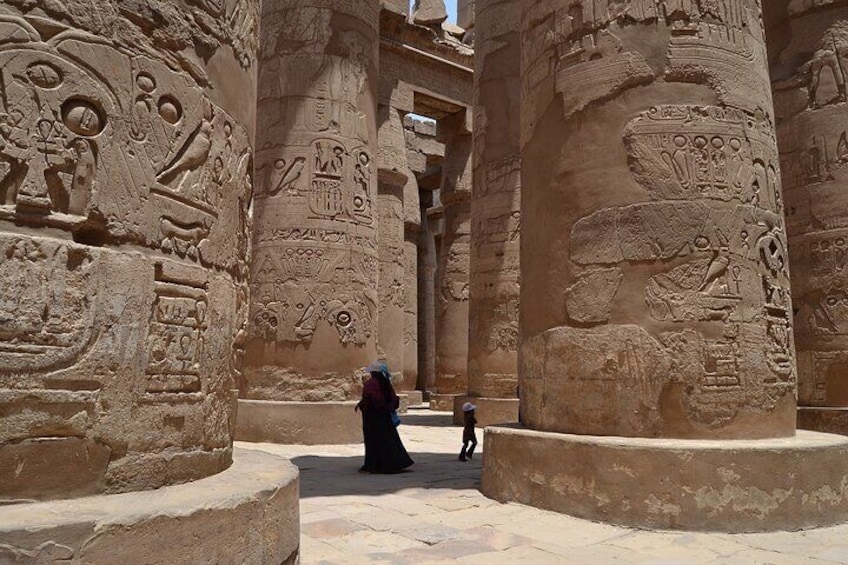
{"points": [[810, 92], [713, 181], [315, 257], [179, 165], [117, 156]]}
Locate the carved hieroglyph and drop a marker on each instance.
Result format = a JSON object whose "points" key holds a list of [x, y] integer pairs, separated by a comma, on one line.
{"points": [[117, 363], [496, 203], [452, 283], [313, 314], [655, 292], [809, 58], [393, 172]]}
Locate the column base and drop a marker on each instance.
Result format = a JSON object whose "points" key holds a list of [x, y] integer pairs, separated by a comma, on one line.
{"points": [[255, 502], [443, 402], [722, 486], [416, 397], [826, 420], [490, 411], [298, 423]]}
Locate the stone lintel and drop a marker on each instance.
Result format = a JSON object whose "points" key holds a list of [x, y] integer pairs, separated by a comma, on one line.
{"points": [[700, 485], [255, 502], [302, 423]]}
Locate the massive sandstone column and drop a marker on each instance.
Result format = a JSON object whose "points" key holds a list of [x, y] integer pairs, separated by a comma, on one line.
{"points": [[452, 284], [315, 266], [655, 288], [125, 175], [125, 189], [393, 177], [809, 52], [495, 214]]}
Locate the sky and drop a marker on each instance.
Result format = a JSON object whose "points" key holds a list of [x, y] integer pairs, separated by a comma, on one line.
{"points": [[451, 5]]}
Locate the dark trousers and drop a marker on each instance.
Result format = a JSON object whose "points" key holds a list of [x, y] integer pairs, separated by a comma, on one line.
{"points": [[466, 450]]}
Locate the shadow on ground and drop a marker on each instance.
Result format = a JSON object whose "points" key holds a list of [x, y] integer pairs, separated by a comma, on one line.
{"points": [[336, 476]]}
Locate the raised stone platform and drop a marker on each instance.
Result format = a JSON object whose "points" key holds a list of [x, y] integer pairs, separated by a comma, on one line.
{"points": [[443, 402], [490, 411], [724, 486], [246, 514], [825, 420], [304, 423]]}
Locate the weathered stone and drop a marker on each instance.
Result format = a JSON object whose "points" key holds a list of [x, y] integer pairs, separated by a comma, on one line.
{"points": [[394, 173], [429, 12], [305, 423], [255, 501], [315, 270], [673, 484], [125, 176], [809, 51], [655, 284], [495, 205]]}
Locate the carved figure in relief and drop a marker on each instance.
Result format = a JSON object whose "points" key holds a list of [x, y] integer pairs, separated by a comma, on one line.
{"points": [[341, 183], [46, 305], [830, 54]]}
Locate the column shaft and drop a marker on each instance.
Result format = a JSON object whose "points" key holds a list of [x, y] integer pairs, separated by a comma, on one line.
{"points": [[655, 289], [495, 210], [315, 261]]}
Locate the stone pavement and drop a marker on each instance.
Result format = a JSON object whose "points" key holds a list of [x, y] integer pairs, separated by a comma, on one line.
{"points": [[436, 514]]}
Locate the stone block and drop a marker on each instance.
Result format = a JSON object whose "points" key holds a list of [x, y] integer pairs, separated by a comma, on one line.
{"points": [[304, 423], [255, 502], [490, 411], [702, 485], [825, 420]]}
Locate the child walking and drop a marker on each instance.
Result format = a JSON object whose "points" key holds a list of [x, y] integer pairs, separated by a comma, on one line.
{"points": [[469, 436]]}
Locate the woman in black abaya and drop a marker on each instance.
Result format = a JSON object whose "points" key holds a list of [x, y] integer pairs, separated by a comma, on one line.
{"points": [[384, 451]]}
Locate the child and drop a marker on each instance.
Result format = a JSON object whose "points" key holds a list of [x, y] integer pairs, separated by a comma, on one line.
{"points": [[468, 433]]}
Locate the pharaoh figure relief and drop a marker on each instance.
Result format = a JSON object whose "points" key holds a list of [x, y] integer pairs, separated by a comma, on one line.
{"points": [[105, 144]]}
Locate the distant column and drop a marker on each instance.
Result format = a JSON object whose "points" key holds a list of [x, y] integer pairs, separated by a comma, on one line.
{"points": [[452, 276], [394, 174], [412, 226], [809, 57], [495, 214]]}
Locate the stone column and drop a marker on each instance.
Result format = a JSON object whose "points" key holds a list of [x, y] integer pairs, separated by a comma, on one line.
{"points": [[655, 291], [125, 173], [394, 175], [496, 215], [452, 275], [466, 14], [313, 316], [809, 52], [412, 225]]}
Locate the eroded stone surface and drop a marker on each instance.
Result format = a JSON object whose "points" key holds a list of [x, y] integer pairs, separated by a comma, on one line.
{"points": [[808, 49], [125, 185], [655, 284], [315, 269], [496, 203]]}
